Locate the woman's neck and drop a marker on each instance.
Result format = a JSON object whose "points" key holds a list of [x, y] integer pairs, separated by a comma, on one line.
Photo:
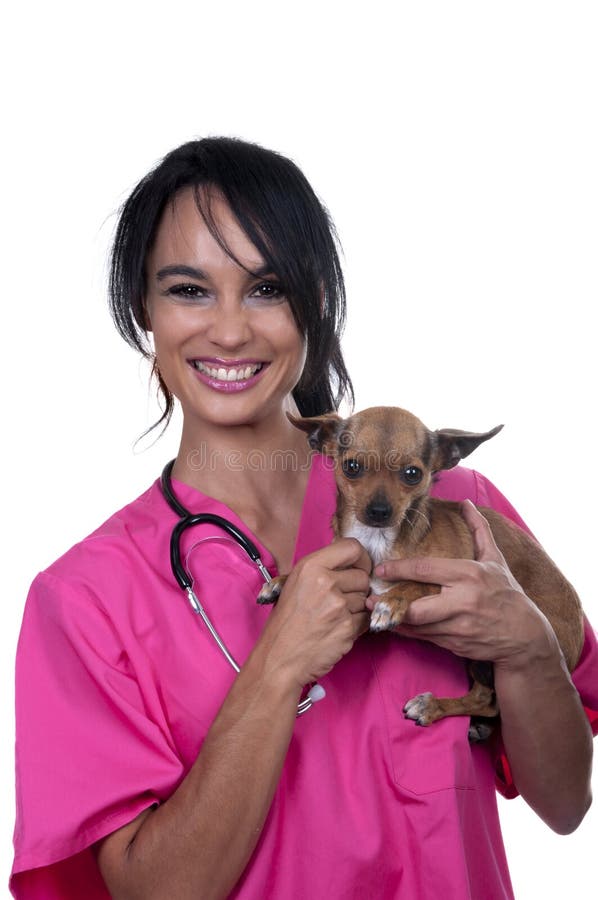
{"points": [[248, 465]]}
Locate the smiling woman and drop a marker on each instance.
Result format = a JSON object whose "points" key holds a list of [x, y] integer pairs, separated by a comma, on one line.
{"points": [[163, 773], [226, 340], [277, 220]]}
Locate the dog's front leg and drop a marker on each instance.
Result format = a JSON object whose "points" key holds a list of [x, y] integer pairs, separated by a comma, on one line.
{"points": [[392, 605], [270, 592]]}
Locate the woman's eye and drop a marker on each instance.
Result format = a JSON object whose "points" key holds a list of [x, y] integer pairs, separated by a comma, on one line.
{"points": [[411, 475], [267, 290], [352, 468], [187, 291]]}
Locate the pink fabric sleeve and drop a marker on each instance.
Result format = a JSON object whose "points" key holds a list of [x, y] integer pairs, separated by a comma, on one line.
{"points": [[585, 674], [89, 759]]}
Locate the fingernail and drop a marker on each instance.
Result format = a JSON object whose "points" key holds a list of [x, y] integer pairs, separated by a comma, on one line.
{"points": [[380, 570]]}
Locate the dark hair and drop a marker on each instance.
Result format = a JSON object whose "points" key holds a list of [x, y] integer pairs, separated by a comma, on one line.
{"points": [[281, 215]]}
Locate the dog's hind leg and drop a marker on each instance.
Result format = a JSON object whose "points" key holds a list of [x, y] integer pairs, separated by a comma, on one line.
{"points": [[426, 708]]}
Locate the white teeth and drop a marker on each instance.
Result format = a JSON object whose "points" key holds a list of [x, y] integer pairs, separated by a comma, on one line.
{"points": [[223, 374]]}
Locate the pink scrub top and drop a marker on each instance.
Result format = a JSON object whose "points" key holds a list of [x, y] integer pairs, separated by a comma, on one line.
{"points": [[118, 682]]}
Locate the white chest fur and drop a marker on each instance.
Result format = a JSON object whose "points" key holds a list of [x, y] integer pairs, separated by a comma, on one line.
{"points": [[378, 542]]}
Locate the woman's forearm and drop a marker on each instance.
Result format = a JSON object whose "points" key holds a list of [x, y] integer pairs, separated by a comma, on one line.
{"points": [[547, 737], [199, 841], [482, 613]]}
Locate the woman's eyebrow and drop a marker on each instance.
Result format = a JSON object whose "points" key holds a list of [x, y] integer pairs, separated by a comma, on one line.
{"points": [[192, 272], [189, 271], [262, 271]]}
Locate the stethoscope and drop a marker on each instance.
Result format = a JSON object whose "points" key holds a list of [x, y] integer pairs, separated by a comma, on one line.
{"points": [[188, 519]]}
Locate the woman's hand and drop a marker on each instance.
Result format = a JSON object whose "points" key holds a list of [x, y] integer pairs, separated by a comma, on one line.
{"points": [[321, 611], [481, 611]]}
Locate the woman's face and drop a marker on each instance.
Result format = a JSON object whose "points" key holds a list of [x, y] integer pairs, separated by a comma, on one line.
{"points": [[226, 341]]}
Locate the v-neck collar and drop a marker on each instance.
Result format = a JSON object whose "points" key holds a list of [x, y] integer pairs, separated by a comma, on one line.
{"points": [[313, 499]]}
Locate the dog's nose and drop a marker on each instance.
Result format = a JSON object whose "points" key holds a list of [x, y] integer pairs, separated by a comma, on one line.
{"points": [[378, 512]]}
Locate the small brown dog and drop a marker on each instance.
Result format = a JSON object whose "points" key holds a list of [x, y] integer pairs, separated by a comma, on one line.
{"points": [[385, 460]]}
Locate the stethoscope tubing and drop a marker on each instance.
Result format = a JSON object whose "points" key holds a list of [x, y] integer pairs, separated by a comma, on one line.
{"points": [[191, 519], [187, 520]]}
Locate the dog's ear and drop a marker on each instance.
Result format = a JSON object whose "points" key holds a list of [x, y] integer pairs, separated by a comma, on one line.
{"points": [[322, 431], [453, 445]]}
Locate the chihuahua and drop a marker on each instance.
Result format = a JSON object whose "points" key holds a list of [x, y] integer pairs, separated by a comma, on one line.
{"points": [[385, 460]]}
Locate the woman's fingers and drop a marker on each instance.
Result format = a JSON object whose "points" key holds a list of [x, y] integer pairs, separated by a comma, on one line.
{"points": [[321, 610], [441, 571], [483, 539], [431, 610], [361, 622], [345, 553], [480, 611], [352, 581], [430, 570]]}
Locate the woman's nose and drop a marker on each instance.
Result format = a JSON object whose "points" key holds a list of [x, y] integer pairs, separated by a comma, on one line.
{"points": [[229, 327]]}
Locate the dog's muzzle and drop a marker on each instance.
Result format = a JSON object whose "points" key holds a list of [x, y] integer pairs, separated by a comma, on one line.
{"points": [[378, 513]]}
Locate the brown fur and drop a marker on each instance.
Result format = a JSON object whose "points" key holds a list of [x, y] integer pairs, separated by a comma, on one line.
{"points": [[387, 445]]}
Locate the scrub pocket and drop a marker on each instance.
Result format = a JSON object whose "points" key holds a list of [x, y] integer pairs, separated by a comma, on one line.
{"points": [[424, 759]]}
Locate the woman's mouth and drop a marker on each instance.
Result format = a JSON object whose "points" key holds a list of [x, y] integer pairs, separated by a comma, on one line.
{"points": [[234, 376]]}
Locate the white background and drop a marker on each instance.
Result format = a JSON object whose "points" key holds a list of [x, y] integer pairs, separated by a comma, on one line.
{"points": [[455, 144]]}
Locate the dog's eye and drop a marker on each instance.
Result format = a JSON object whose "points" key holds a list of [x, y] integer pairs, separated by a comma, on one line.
{"points": [[352, 468], [411, 475]]}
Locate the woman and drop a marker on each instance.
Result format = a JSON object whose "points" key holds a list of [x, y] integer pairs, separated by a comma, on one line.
{"points": [[163, 774]]}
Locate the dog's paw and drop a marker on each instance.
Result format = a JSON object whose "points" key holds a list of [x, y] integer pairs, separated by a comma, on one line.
{"points": [[386, 614], [381, 616], [479, 731], [421, 709], [271, 590]]}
